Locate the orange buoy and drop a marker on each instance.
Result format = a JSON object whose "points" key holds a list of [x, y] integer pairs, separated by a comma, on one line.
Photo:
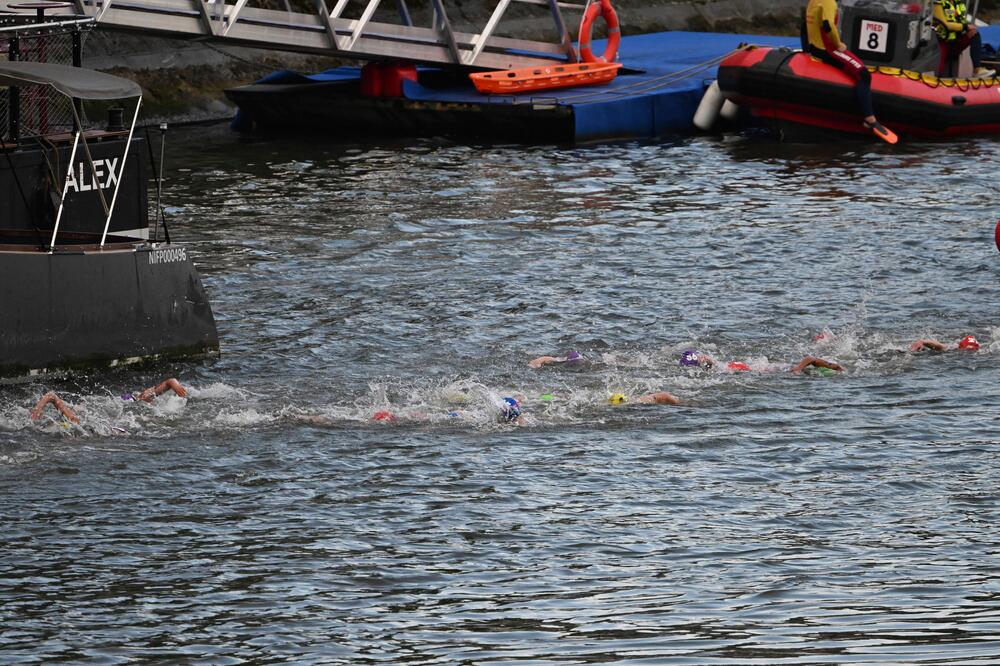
{"points": [[527, 79], [603, 9]]}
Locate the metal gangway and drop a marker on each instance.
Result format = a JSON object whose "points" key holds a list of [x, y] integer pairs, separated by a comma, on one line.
{"points": [[327, 31]]}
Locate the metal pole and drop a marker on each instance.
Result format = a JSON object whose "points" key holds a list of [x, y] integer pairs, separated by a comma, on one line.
{"points": [[121, 172], [14, 93], [159, 185], [404, 12], [77, 62], [62, 196], [975, 11], [567, 39]]}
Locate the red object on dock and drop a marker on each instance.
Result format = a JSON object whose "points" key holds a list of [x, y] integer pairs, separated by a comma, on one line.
{"points": [[371, 80], [393, 75], [529, 79], [385, 79]]}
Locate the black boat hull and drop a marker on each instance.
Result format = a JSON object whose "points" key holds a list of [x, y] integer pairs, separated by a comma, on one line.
{"points": [[87, 310], [338, 108]]}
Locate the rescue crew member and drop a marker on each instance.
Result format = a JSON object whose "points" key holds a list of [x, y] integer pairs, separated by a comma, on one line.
{"points": [[823, 43], [955, 34]]}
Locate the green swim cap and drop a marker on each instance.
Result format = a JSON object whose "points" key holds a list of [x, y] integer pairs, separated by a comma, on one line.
{"points": [[546, 397], [826, 372]]}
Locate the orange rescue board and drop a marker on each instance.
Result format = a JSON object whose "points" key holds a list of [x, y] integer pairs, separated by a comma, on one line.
{"points": [[545, 78]]}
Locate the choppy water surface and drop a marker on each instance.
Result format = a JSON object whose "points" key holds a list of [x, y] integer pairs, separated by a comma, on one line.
{"points": [[771, 518]]}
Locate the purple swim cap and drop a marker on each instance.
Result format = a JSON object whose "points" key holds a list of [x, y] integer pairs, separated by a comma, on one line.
{"points": [[691, 357], [128, 396], [573, 357]]}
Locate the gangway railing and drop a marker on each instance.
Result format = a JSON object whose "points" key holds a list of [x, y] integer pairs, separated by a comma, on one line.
{"points": [[326, 31]]}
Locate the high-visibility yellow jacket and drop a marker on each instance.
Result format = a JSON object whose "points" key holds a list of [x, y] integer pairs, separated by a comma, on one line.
{"points": [[950, 19], [821, 24]]}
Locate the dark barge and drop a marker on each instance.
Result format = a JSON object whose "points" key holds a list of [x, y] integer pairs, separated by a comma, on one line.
{"points": [[83, 286]]}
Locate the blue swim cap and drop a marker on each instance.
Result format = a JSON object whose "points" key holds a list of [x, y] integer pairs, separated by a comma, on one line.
{"points": [[510, 410]]}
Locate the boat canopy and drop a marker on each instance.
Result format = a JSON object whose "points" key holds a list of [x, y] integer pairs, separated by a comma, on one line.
{"points": [[71, 81]]}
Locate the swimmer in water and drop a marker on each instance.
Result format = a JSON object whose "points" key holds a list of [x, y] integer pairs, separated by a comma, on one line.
{"points": [[657, 398], [57, 402], [69, 414], [571, 359], [696, 359], [968, 343], [510, 410]]}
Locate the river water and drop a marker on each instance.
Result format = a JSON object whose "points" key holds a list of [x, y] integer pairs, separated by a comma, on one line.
{"points": [[771, 518]]}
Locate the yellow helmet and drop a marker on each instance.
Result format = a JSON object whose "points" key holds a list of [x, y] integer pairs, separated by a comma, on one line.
{"points": [[618, 399]]}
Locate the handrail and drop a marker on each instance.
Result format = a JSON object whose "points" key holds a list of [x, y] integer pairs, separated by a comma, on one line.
{"points": [[326, 32]]}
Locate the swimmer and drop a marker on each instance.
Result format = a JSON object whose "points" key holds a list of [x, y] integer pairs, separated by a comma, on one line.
{"points": [[147, 395], [697, 359], [657, 398], [69, 414], [510, 411], [572, 359], [968, 343], [57, 402], [815, 362]]}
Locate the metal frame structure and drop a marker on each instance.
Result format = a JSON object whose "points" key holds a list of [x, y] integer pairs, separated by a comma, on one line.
{"points": [[327, 32], [78, 133]]}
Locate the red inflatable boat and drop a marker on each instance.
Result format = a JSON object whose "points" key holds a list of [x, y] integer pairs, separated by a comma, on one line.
{"points": [[790, 86]]}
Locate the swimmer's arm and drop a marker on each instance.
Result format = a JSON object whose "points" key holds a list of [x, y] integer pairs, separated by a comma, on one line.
{"points": [[543, 360], [816, 362], [939, 16], [51, 397], [927, 343], [659, 398], [161, 388], [313, 419]]}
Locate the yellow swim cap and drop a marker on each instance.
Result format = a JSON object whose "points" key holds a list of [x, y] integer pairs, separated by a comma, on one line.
{"points": [[618, 399]]}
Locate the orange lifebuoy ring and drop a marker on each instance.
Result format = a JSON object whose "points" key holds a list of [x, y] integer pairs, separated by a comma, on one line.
{"points": [[607, 12]]}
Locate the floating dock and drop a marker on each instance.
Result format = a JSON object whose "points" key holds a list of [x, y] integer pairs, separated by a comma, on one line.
{"points": [[657, 92]]}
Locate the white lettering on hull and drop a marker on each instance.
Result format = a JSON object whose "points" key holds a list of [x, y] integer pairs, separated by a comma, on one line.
{"points": [[167, 256], [101, 177]]}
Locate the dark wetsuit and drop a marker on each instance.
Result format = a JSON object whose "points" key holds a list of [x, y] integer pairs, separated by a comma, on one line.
{"points": [[821, 40]]}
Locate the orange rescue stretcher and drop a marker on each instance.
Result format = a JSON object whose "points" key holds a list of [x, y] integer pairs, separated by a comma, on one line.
{"points": [[506, 81]]}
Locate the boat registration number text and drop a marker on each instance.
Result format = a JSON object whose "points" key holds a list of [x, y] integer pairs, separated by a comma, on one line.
{"points": [[167, 256], [873, 36]]}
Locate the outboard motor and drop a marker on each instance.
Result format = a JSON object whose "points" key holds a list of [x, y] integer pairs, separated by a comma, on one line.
{"points": [[894, 34]]}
